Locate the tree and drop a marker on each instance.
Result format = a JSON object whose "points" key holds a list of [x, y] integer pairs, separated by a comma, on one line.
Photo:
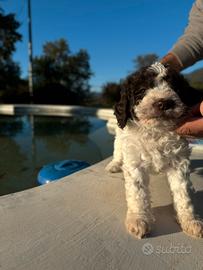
{"points": [[110, 93], [59, 76], [9, 70], [8, 35], [145, 60]]}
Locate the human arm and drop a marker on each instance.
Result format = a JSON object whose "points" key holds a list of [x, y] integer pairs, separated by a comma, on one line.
{"points": [[185, 52], [189, 47]]}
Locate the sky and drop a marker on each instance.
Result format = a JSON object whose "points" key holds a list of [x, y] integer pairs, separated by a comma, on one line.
{"points": [[113, 32]]}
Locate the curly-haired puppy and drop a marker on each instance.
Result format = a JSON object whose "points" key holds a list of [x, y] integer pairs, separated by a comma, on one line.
{"points": [[153, 103]]}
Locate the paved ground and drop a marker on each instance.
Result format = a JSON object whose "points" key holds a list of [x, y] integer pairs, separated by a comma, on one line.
{"points": [[78, 223]]}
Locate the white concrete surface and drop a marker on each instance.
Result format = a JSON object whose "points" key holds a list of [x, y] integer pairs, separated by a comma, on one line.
{"points": [[78, 223]]}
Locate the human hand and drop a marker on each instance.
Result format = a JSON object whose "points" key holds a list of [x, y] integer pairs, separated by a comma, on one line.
{"points": [[173, 61], [192, 126]]}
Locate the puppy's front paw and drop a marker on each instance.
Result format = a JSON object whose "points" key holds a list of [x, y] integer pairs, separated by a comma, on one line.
{"points": [[193, 227], [138, 227], [114, 167]]}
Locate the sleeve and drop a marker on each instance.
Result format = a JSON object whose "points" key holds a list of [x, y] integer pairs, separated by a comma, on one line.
{"points": [[189, 48]]}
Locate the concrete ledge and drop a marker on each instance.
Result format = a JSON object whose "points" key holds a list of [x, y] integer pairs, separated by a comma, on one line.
{"points": [[7, 109], [55, 110], [78, 223], [62, 110]]}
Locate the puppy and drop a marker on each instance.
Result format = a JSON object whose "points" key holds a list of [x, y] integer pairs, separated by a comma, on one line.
{"points": [[153, 103]]}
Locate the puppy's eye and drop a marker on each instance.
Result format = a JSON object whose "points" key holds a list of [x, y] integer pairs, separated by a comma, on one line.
{"points": [[137, 101]]}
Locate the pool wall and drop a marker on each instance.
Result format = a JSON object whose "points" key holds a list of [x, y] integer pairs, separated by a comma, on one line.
{"points": [[67, 110], [60, 110]]}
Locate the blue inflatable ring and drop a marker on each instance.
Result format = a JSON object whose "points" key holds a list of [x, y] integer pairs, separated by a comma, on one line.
{"points": [[54, 171]]}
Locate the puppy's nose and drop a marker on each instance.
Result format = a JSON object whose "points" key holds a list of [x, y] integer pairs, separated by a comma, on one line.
{"points": [[164, 104]]}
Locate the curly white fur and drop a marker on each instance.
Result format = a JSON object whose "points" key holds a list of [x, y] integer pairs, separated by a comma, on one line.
{"points": [[147, 145], [159, 69]]}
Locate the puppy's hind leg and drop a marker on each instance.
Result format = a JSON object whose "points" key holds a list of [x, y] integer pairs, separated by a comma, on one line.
{"points": [[116, 164]]}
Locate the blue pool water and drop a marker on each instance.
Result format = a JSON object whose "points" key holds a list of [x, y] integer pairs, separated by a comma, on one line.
{"points": [[29, 142]]}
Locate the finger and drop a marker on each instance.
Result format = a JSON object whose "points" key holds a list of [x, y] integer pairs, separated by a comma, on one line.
{"points": [[201, 108], [195, 110], [192, 128]]}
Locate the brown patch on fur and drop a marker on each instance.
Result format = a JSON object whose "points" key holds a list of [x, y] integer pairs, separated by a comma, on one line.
{"points": [[133, 90], [136, 85], [189, 95]]}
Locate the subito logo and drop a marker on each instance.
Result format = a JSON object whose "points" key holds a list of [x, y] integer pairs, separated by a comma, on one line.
{"points": [[147, 249]]}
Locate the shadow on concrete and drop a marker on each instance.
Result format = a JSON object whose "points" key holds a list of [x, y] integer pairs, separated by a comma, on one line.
{"points": [[165, 221], [196, 166], [197, 199], [166, 217]]}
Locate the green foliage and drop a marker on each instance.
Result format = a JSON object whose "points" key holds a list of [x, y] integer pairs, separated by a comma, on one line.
{"points": [[195, 78], [9, 70], [58, 50], [197, 85], [8, 35], [145, 60], [110, 94], [61, 77]]}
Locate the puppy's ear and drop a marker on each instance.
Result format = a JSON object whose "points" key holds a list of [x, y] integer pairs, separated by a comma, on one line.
{"points": [[189, 95], [122, 109]]}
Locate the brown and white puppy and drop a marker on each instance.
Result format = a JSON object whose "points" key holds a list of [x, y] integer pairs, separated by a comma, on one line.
{"points": [[153, 103]]}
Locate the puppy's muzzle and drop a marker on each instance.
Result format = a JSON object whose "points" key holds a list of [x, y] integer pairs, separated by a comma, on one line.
{"points": [[164, 104]]}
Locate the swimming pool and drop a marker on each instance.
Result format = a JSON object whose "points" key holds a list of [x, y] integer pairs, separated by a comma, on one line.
{"points": [[28, 142]]}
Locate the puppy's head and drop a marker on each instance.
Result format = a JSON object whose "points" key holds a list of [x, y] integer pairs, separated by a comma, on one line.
{"points": [[155, 94]]}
